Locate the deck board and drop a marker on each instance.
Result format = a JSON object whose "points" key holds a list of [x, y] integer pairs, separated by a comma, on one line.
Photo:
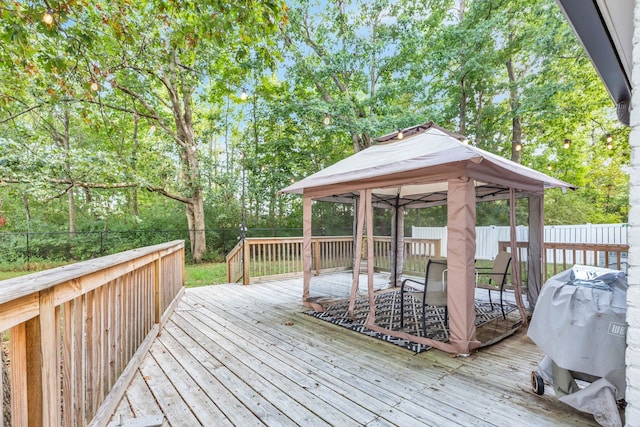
{"points": [[247, 355]]}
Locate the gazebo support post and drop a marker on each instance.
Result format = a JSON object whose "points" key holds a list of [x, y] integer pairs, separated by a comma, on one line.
{"points": [[356, 265], [370, 260], [516, 277], [306, 246], [397, 243], [461, 251], [535, 252]]}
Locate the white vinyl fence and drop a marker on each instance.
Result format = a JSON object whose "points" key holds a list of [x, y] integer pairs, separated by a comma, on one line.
{"points": [[487, 238]]}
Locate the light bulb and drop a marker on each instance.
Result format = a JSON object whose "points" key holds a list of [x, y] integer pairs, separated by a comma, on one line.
{"points": [[609, 138], [518, 147], [549, 167], [609, 145], [327, 119], [94, 85], [47, 18], [400, 134], [243, 95], [567, 143]]}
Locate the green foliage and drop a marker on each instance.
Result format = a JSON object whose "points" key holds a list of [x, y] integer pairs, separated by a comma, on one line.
{"points": [[166, 126]]}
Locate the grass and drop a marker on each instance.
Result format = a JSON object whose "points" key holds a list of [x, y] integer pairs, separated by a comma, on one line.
{"points": [[205, 274], [195, 275]]}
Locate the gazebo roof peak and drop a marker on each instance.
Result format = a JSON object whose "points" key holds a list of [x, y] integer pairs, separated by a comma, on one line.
{"points": [[416, 130]]}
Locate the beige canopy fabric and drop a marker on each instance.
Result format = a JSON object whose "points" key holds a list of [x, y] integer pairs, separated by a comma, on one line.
{"points": [[430, 166]]}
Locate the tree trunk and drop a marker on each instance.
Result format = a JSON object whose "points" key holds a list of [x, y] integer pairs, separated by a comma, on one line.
{"points": [[195, 220], [72, 213], [134, 161], [478, 130], [27, 210], [463, 83], [360, 141], [180, 95], [463, 107], [67, 166], [516, 123]]}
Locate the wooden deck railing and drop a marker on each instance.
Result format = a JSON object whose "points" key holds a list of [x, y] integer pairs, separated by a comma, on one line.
{"points": [[416, 253], [282, 257], [77, 333], [562, 256]]}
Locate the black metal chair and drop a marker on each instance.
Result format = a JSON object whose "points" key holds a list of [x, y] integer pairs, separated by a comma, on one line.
{"points": [[431, 292], [497, 276]]}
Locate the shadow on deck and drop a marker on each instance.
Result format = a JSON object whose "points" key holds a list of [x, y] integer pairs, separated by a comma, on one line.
{"points": [[247, 355]]}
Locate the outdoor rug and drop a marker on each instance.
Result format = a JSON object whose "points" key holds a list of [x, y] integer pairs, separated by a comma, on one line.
{"points": [[388, 316]]}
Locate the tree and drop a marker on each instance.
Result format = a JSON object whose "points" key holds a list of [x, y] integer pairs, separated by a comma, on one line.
{"points": [[149, 59], [354, 56]]}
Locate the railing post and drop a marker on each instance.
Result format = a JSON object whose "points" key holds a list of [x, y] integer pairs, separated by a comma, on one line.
{"points": [[49, 359], [18, 372], [316, 255], [157, 294], [246, 259], [34, 368], [437, 248]]}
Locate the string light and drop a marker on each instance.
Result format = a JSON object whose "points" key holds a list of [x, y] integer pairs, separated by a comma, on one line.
{"points": [[609, 141], [567, 143], [549, 167], [327, 119], [518, 147], [94, 85], [400, 134], [243, 95], [47, 18]]}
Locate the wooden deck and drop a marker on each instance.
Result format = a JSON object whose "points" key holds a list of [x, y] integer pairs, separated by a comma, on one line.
{"points": [[247, 355]]}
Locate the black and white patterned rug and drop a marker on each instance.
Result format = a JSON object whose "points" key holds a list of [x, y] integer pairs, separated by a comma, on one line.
{"points": [[388, 316]]}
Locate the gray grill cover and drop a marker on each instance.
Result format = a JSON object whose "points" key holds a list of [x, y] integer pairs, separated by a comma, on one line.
{"points": [[579, 322]]}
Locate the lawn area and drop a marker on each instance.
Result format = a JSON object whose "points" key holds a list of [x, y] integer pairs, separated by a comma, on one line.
{"points": [[205, 274], [196, 275]]}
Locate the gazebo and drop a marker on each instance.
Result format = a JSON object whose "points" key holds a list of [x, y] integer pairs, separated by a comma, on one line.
{"points": [[420, 167]]}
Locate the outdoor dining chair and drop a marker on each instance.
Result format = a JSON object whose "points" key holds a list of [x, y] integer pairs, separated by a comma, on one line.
{"points": [[497, 277], [431, 292]]}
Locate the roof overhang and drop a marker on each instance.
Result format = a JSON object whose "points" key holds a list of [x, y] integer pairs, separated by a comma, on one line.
{"points": [[605, 29]]}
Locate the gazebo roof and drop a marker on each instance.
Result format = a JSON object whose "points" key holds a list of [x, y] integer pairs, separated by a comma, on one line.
{"points": [[413, 171]]}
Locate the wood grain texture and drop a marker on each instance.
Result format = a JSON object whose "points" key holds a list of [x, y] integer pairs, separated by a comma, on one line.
{"points": [[247, 355]]}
